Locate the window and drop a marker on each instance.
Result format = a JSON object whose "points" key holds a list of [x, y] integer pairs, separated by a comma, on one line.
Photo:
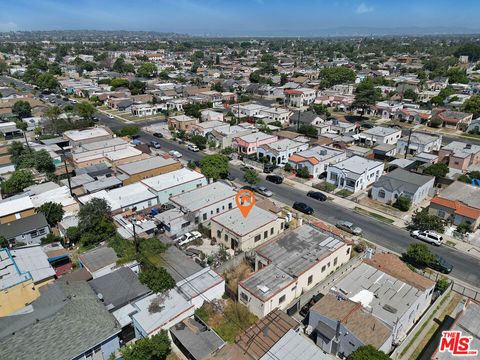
{"points": [[271, 231], [226, 238], [205, 216], [310, 279], [219, 234], [282, 299], [381, 194], [230, 205], [348, 251], [323, 268], [335, 261], [441, 214], [294, 288], [218, 210], [223, 207], [265, 234], [328, 265], [184, 225], [197, 220], [333, 177], [243, 297], [281, 225], [257, 238]]}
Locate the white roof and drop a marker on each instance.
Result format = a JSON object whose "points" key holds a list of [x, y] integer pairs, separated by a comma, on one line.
{"points": [[59, 195], [357, 164], [233, 220], [258, 136], [123, 153], [206, 195], [13, 206], [78, 135], [171, 179]]}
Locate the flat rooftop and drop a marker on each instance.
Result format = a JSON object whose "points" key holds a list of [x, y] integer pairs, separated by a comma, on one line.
{"points": [[258, 136], [140, 166], [196, 199], [172, 179], [380, 131], [234, 220], [13, 206], [78, 135]]}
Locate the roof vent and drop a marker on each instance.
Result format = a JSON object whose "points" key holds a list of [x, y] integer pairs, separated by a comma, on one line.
{"points": [[390, 309], [263, 288]]}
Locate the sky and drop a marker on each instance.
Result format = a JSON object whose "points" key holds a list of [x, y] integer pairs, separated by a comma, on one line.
{"points": [[243, 17]]}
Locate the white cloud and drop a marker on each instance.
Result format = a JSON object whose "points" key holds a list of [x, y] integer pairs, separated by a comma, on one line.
{"points": [[8, 26], [364, 8]]}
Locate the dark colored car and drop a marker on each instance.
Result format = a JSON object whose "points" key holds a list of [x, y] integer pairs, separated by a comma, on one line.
{"points": [[302, 207], [368, 126], [317, 195], [268, 168], [276, 179], [441, 265], [306, 308], [135, 137], [158, 135], [247, 187]]}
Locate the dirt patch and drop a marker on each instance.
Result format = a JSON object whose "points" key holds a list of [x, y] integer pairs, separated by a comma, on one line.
{"points": [[366, 201], [237, 274]]}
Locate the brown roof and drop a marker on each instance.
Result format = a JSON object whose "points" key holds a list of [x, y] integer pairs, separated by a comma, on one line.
{"points": [[353, 316], [81, 274], [260, 337], [286, 134], [268, 205], [228, 352], [392, 265]]}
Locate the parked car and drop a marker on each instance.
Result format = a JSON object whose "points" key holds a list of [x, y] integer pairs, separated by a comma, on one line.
{"points": [[276, 179], [193, 148], [302, 207], [368, 126], [317, 195], [306, 308], [428, 236], [187, 238], [349, 227], [158, 135], [262, 190], [247, 187], [136, 142], [245, 168], [155, 144], [175, 153], [268, 168], [110, 116], [441, 265]]}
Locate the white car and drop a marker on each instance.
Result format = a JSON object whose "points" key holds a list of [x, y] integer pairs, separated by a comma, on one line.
{"points": [[110, 116], [187, 238], [264, 191], [175, 153], [428, 236], [193, 148]]}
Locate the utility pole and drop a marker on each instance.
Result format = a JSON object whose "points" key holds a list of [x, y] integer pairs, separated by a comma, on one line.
{"points": [[298, 120], [26, 141], [408, 143], [66, 171], [133, 220]]}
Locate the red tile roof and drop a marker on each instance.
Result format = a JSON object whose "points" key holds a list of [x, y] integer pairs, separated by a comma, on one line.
{"points": [[458, 207]]}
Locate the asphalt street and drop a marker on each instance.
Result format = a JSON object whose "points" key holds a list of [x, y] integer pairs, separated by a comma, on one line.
{"points": [[465, 267]]}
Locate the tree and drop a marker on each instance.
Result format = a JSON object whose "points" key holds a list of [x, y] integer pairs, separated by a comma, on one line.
{"points": [[217, 87], [457, 75], [472, 105], [366, 95], [43, 161], [53, 212], [435, 122], [442, 284], [22, 109], [128, 130], [319, 109], [422, 220], [288, 167], [199, 140], [147, 70], [464, 228], [55, 69], [418, 255], [308, 130], [47, 81], [437, 170], [85, 110], [52, 113], [303, 172], [403, 203], [368, 352], [119, 82], [122, 67], [18, 181], [251, 177], [51, 238], [95, 224], [157, 279], [410, 94], [214, 166], [3, 67], [156, 347], [336, 75], [137, 87], [16, 149]]}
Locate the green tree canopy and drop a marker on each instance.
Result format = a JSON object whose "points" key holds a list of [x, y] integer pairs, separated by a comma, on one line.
{"points": [[403, 203], [472, 105], [85, 110], [251, 177], [128, 130], [122, 67], [199, 140], [147, 70], [119, 82], [410, 94], [95, 224], [19, 180], [368, 352], [214, 166], [22, 109], [336, 75], [366, 95], [308, 130], [53, 212], [47, 81], [156, 347], [157, 279], [303, 172], [422, 220], [137, 87], [418, 255], [457, 75], [437, 170]]}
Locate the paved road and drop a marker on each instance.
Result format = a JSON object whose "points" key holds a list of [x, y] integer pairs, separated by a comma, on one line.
{"points": [[466, 267]]}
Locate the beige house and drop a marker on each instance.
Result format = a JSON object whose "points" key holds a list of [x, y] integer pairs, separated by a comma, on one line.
{"points": [[182, 122], [289, 266], [246, 233]]}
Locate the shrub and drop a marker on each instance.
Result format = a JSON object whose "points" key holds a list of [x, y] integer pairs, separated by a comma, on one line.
{"points": [[288, 167], [403, 203], [464, 228], [435, 123], [442, 284], [303, 173]]}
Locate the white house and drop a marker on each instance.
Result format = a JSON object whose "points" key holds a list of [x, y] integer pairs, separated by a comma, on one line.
{"points": [[206, 127], [380, 135], [279, 114], [210, 115], [283, 274], [300, 97], [355, 173], [419, 143], [316, 159], [248, 110], [279, 152]]}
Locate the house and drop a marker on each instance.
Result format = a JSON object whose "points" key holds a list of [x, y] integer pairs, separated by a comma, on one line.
{"points": [[210, 115], [196, 340], [466, 322], [79, 137], [401, 182], [452, 119], [290, 265], [174, 183], [316, 159], [102, 260], [60, 195], [181, 122], [206, 127], [141, 110], [248, 110], [459, 203], [117, 291], [341, 325], [248, 144], [223, 137], [460, 155], [418, 142], [278, 152], [240, 233], [380, 135], [197, 206], [474, 127], [67, 322], [276, 114], [300, 97], [136, 195], [389, 290], [24, 271], [16, 208], [102, 183], [150, 167], [58, 257], [29, 230], [387, 110], [177, 304], [144, 227], [355, 173], [306, 118], [9, 130]]}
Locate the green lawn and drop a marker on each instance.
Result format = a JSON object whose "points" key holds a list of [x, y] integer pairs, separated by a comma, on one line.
{"points": [[374, 215]]}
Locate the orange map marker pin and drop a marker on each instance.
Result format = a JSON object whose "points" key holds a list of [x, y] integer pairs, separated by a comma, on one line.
{"points": [[245, 200]]}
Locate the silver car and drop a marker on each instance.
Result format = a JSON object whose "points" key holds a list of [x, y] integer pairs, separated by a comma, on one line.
{"points": [[262, 190], [349, 227]]}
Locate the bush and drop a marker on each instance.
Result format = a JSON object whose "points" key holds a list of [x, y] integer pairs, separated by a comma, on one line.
{"points": [[326, 186], [464, 228], [288, 167], [418, 255], [442, 284], [403, 203], [437, 170], [191, 165], [422, 220], [157, 279], [435, 123], [303, 173]]}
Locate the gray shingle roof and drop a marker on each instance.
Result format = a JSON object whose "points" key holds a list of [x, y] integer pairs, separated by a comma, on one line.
{"points": [[23, 225], [98, 258], [402, 180], [67, 320]]}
